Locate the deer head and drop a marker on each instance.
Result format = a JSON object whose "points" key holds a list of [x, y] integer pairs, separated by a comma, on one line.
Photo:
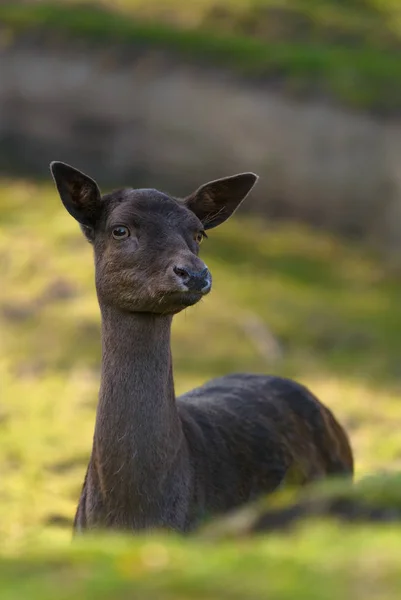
{"points": [[146, 243]]}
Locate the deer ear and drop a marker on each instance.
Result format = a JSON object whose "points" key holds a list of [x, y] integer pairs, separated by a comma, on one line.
{"points": [[78, 192], [214, 202]]}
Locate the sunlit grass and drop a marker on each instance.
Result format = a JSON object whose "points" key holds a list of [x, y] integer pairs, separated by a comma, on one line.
{"points": [[352, 16], [358, 563]]}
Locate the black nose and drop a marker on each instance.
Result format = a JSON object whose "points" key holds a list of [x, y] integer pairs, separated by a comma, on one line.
{"points": [[196, 281]]}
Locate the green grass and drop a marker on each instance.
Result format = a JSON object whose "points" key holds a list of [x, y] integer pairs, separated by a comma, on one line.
{"points": [[321, 48], [374, 22], [375, 499], [286, 300], [355, 564]]}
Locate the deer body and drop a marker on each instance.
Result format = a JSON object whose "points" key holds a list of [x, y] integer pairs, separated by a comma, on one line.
{"points": [[164, 462]]}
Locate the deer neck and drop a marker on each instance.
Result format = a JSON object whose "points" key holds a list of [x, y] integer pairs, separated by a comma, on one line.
{"points": [[138, 431]]}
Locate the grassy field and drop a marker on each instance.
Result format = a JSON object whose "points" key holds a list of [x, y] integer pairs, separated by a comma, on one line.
{"points": [[348, 52], [286, 300], [353, 565], [374, 22]]}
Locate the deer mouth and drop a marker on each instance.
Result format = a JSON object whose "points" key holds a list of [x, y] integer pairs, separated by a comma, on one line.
{"points": [[183, 299], [176, 300], [189, 298]]}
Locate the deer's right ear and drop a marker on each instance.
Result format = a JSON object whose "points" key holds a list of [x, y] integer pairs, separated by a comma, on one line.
{"points": [[78, 192]]}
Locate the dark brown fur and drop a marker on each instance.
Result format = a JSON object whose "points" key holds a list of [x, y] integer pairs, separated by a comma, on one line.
{"points": [[158, 461]]}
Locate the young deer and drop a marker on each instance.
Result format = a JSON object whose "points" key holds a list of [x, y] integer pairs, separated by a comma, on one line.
{"points": [[157, 460]]}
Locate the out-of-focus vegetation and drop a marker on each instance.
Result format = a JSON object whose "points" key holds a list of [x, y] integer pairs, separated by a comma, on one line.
{"points": [[322, 563], [344, 22], [349, 51], [372, 499]]}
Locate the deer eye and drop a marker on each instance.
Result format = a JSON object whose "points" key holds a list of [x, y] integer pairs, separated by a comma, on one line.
{"points": [[198, 237], [120, 233]]}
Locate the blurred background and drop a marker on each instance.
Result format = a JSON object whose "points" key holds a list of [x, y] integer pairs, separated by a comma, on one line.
{"points": [[171, 94]]}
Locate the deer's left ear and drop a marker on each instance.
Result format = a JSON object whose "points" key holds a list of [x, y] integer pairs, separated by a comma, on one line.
{"points": [[214, 202]]}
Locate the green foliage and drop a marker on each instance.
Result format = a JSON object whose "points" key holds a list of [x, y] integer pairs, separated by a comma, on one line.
{"points": [[349, 52], [373, 499], [320, 562]]}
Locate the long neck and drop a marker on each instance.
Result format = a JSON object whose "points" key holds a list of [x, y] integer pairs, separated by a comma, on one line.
{"points": [[138, 431]]}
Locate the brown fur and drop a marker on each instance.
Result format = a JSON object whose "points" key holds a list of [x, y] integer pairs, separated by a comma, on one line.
{"points": [[157, 460]]}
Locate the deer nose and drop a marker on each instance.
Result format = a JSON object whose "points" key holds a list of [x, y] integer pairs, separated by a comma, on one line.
{"points": [[195, 281]]}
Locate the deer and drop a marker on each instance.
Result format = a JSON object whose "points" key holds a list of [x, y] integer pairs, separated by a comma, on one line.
{"points": [[161, 462]]}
